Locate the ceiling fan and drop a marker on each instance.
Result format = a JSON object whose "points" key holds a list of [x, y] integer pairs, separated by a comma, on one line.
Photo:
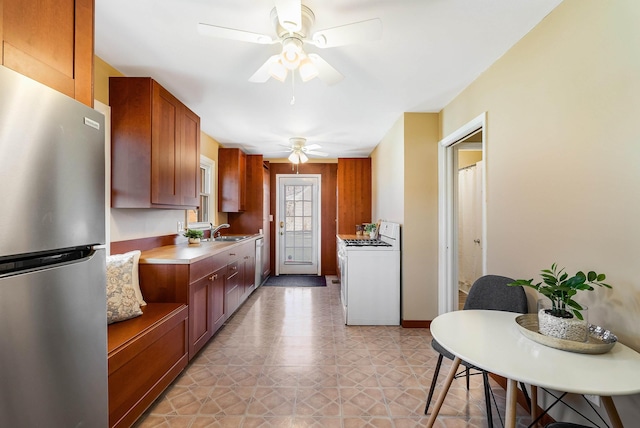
{"points": [[299, 150], [293, 21]]}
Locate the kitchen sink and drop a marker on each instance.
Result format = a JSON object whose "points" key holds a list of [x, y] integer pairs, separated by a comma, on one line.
{"points": [[231, 238]]}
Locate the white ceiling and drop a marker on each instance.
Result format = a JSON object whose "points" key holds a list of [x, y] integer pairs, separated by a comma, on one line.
{"points": [[429, 51]]}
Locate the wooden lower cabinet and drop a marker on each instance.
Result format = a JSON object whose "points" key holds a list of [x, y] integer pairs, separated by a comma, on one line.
{"points": [[232, 287], [213, 288], [216, 295], [248, 268]]}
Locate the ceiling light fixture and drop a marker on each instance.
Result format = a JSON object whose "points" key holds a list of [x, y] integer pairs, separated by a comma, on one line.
{"points": [[291, 58], [278, 71], [291, 52], [307, 70], [297, 157]]}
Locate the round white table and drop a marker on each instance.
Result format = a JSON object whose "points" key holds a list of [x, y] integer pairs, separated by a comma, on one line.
{"points": [[492, 341]]}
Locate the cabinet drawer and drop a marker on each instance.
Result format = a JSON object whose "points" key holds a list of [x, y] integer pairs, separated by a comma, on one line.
{"points": [[202, 268], [232, 269]]}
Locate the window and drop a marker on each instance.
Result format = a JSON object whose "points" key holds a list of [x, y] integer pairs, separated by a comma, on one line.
{"points": [[207, 196]]}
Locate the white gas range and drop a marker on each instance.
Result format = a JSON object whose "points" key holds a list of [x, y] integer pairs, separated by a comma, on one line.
{"points": [[370, 277]]}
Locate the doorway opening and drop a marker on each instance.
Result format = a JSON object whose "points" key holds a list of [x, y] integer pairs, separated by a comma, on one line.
{"points": [[298, 224], [462, 213]]}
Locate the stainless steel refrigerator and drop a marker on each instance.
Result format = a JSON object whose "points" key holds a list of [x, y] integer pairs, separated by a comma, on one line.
{"points": [[53, 329]]}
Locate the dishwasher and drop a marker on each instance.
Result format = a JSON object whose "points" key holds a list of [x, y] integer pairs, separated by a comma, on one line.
{"points": [[259, 249]]}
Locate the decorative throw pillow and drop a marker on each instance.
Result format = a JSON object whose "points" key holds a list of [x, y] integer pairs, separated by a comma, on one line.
{"points": [[122, 303], [135, 277]]}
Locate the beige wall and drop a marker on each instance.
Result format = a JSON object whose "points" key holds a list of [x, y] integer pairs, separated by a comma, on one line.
{"points": [[563, 149], [468, 157], [387, 176], [405, 190], [420, 234], [141, 223]]}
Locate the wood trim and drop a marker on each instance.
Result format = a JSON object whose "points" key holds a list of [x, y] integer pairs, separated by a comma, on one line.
{"points": [[415, 324], [143, 244], [1, 31], [36, 69]]}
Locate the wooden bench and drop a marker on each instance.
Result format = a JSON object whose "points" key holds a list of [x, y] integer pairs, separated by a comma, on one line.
{"points": [[145, 354]]}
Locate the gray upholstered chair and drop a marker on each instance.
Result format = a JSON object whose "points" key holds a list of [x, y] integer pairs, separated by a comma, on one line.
{"points": [[492, 293]]}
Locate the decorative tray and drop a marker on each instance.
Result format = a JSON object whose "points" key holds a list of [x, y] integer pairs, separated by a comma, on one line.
{"points": [[598, 342]]}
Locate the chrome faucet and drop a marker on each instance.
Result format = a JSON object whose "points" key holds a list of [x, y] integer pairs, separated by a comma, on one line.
{"points": [[216, 229]]}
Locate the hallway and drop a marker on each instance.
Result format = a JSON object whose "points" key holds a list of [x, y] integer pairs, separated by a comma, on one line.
{"points": [[286, 359]]}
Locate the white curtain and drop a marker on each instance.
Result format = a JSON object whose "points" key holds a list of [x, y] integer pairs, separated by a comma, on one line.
{"points": [[469, 225]]}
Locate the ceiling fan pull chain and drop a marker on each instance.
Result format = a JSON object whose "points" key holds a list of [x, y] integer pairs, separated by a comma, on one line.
{"points": [[293, 88]]}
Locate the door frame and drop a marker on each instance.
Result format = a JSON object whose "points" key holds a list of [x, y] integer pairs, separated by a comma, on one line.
{"points": [[447, 216], [318, 208]]}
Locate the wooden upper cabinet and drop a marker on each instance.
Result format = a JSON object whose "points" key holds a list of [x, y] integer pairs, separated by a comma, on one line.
{"points": [[50, 41], [232, 178], [354, 194], [155, 147]]}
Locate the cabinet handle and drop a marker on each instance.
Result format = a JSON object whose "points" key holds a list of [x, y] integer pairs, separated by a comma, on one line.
{"points": [[213, 277], [246, 257], [232, 254], [234, 267]]}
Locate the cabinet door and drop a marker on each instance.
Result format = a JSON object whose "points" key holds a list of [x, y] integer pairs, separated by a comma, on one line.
{"points": [[166, 125], [199, 315], [218, 314], [249, 269], [232, 170], [190, 159], [50, 41], [354, 194], [232, 288]]}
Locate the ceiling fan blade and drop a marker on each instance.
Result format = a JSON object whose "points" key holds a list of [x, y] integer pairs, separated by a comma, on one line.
{"points": [[312, 147], [313, 152], [289, 14], [326, 72], [233, 34], [262, 75], [357, 32]]}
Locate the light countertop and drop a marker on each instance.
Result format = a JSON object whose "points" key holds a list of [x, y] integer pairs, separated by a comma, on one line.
{"points": [[185, 253]]}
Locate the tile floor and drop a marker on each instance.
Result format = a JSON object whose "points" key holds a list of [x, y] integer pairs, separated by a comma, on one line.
{"points": [[286, 359]]}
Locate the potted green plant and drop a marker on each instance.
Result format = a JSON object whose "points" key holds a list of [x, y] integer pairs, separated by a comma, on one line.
{"points": [[559, 315], [194, 235], [370, 228]]}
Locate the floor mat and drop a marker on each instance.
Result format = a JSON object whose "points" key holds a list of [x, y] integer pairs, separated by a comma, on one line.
{"points": [[296, 281]]}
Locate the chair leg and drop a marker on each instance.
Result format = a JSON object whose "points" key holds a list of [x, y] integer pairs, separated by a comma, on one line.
{"points": [[487, 398], [434, 381], [526, 395], [467, 375]]}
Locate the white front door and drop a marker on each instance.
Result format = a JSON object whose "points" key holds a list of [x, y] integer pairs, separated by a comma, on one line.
{"points": [[298, 224]]}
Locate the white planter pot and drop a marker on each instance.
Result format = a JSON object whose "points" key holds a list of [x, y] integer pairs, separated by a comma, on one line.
{"points": [[562, 328], [194, 240]]}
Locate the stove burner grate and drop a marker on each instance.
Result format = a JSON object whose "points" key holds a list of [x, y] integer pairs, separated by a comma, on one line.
{"points": [[365, 243]]}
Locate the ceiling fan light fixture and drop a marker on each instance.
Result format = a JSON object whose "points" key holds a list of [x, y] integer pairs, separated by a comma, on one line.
{"points": [[307, 70], [303, 158], [291, 53], [278, 71], [294, 158]]}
